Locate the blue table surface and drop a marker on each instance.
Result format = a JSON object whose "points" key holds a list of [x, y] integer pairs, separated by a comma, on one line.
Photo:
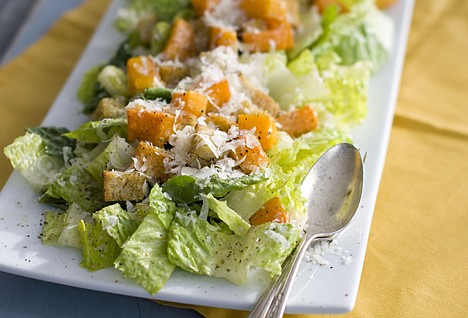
{"points": [[25, 297]]}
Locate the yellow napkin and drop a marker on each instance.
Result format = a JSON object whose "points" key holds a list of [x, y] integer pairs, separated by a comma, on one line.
{"points": [[417, 258]]}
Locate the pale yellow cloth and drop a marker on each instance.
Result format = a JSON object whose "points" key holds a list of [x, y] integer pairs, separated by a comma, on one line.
{"points": [[417, 258]]}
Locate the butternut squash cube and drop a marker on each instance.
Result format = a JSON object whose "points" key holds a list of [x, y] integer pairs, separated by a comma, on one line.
{"points": [[298, 121], [218, 94], [201, 6], [253, 158], [278, 36], [265, 128], [181, 42], [271, 211], [223, 37], [265, 9], [191, 102], [142, 73], [153, 126]]}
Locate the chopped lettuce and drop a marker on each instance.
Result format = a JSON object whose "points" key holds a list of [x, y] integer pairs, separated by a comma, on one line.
{"points": [[102, 130], [61, 229], [114, 80], [117, 155], [99, 249], [29, 155], [144, 254], [75, 185], [186, 189], [352, 37], [117, 222], [235, 222], [194, 245]]}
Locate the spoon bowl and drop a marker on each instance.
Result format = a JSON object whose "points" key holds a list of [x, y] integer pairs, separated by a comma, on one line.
{"points": [[333, 188]]}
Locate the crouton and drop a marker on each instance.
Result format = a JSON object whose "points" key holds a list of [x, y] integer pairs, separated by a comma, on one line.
{"points": [[150, 161], [109, 108], [124, 186], [259, 98]]}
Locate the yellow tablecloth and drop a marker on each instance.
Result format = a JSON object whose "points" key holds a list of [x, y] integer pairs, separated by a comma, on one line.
{"points": [[417, 258]]}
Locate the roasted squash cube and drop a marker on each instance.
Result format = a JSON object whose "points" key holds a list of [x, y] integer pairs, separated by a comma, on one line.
{"points": [[142, 73], [298, 121], [278, 36], [191, 102], [150, 125], [218, 94], [181, 42], [265, 9], [271, 211], [223, 37], [201, 6], [253, 158], [265, 128]]}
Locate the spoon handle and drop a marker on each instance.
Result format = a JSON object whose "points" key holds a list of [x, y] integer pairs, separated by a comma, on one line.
{"points": [[275, 296], [287, 279]]}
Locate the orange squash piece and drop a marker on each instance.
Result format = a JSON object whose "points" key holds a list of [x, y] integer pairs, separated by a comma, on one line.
{"points": [[141, 73], [323, 4], [218, 94], [298, 121], [201, 6], [181, 42], [223, 37], [271, 211], [253, 158], [191, 102], [278, 36], [265, 9], [265, 128], [153, 126]]}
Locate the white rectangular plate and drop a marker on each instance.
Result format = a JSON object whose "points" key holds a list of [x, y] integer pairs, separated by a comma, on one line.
{"points": [[320, 289]]}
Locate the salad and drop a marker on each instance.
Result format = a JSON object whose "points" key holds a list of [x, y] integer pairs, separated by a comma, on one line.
{"points": [[202, 127]]}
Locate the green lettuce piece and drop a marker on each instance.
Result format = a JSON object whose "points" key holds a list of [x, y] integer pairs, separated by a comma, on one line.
{"points": [[187, 189], [114, 80], [235, 222], [89, 84], [348, 86], [117, 222], [99, 249], [54, 140], [353, 36], [160, 35], [117, 155], [102, 130], [29, 156], [290, 160], [144, 255], [75, 185], [203, 248], [61, 229]]}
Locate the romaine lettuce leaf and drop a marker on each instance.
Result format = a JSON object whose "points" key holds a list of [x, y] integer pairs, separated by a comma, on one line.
{"points": [[61, 229], [199, 247], [75, 185], [144, 254], [117, 155], [99, 249], [28, 155], [235, 222], [117, 222], [102, 130], [54, 140], [186, 189]]}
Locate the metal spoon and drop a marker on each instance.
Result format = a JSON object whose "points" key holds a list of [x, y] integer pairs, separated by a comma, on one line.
{"points": [[333, 188]]}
